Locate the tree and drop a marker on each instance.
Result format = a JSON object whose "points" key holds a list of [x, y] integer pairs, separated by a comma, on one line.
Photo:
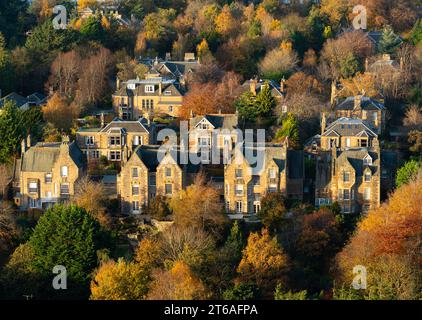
{"points": [[361, 83], [319, 238], [18, 277], [273, 213], [190, 245], [416, 35], [225, 22], [91, 196], [64, 73], [178, 283], [158, 208], [344, 57], [281, 295], [5, 177], [389, 41], [413, 118], [8, 226], [60, 113], [246, 106], [203, 52], [241, 291], [11, 131], [6, 74], [290, 130], [67, 236], [387, 243], [93, 81], [119, 281], [407, 172], [415, 137], [265, 102], [264, 262], [278, 63], [199, 206]]}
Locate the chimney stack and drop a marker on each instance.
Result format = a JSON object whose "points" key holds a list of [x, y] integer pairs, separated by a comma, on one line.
{"points": [[333, 92], [366, 64], [23, 146], [323, 122], [28, 141], [117, 83], [282, 85], [358, 102], [102, 120], [252, 85]]}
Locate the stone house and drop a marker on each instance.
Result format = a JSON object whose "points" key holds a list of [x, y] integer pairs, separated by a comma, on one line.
{"points": [[47, 173], [134, 99], [346, 133], [371, 111], [152, 170], [257, 170], [213, 131], [350, 177], [117, 140]]}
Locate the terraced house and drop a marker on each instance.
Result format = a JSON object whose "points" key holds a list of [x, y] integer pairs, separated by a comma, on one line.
{"points": [[213, 131], [134, 99], [116, 140], [47, 173], [150, 171], [257, 170]]}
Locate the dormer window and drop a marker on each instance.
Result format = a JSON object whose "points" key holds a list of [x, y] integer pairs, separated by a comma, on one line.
{"points": [[149, 88], [367, 161], [204, 126], [272, 173], [167, 93], [131, 86], [367, 177]]}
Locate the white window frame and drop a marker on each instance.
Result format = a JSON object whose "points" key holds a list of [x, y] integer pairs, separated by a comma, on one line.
{"points": [[239, 190], [239, 206], [64, 171], [367, 193], [89, 140], [149, 88]]}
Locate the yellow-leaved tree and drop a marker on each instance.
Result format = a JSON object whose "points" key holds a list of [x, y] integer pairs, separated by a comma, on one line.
{"points": [[178, 283], [264, 262], [120, 280]]}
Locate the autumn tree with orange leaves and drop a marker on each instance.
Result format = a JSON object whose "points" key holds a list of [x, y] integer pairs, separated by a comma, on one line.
{"points": [[388, 243], [178, 283]]}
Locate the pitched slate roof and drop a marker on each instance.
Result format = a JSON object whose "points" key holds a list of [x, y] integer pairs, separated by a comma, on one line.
{"points": [[366, 104], [355, 158], [169, 85], [348, 127], [151, 154], [219, 121], [43, 156], [126, 125], [263, 154], [17, 98], [275, 89], [37, 98]]}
